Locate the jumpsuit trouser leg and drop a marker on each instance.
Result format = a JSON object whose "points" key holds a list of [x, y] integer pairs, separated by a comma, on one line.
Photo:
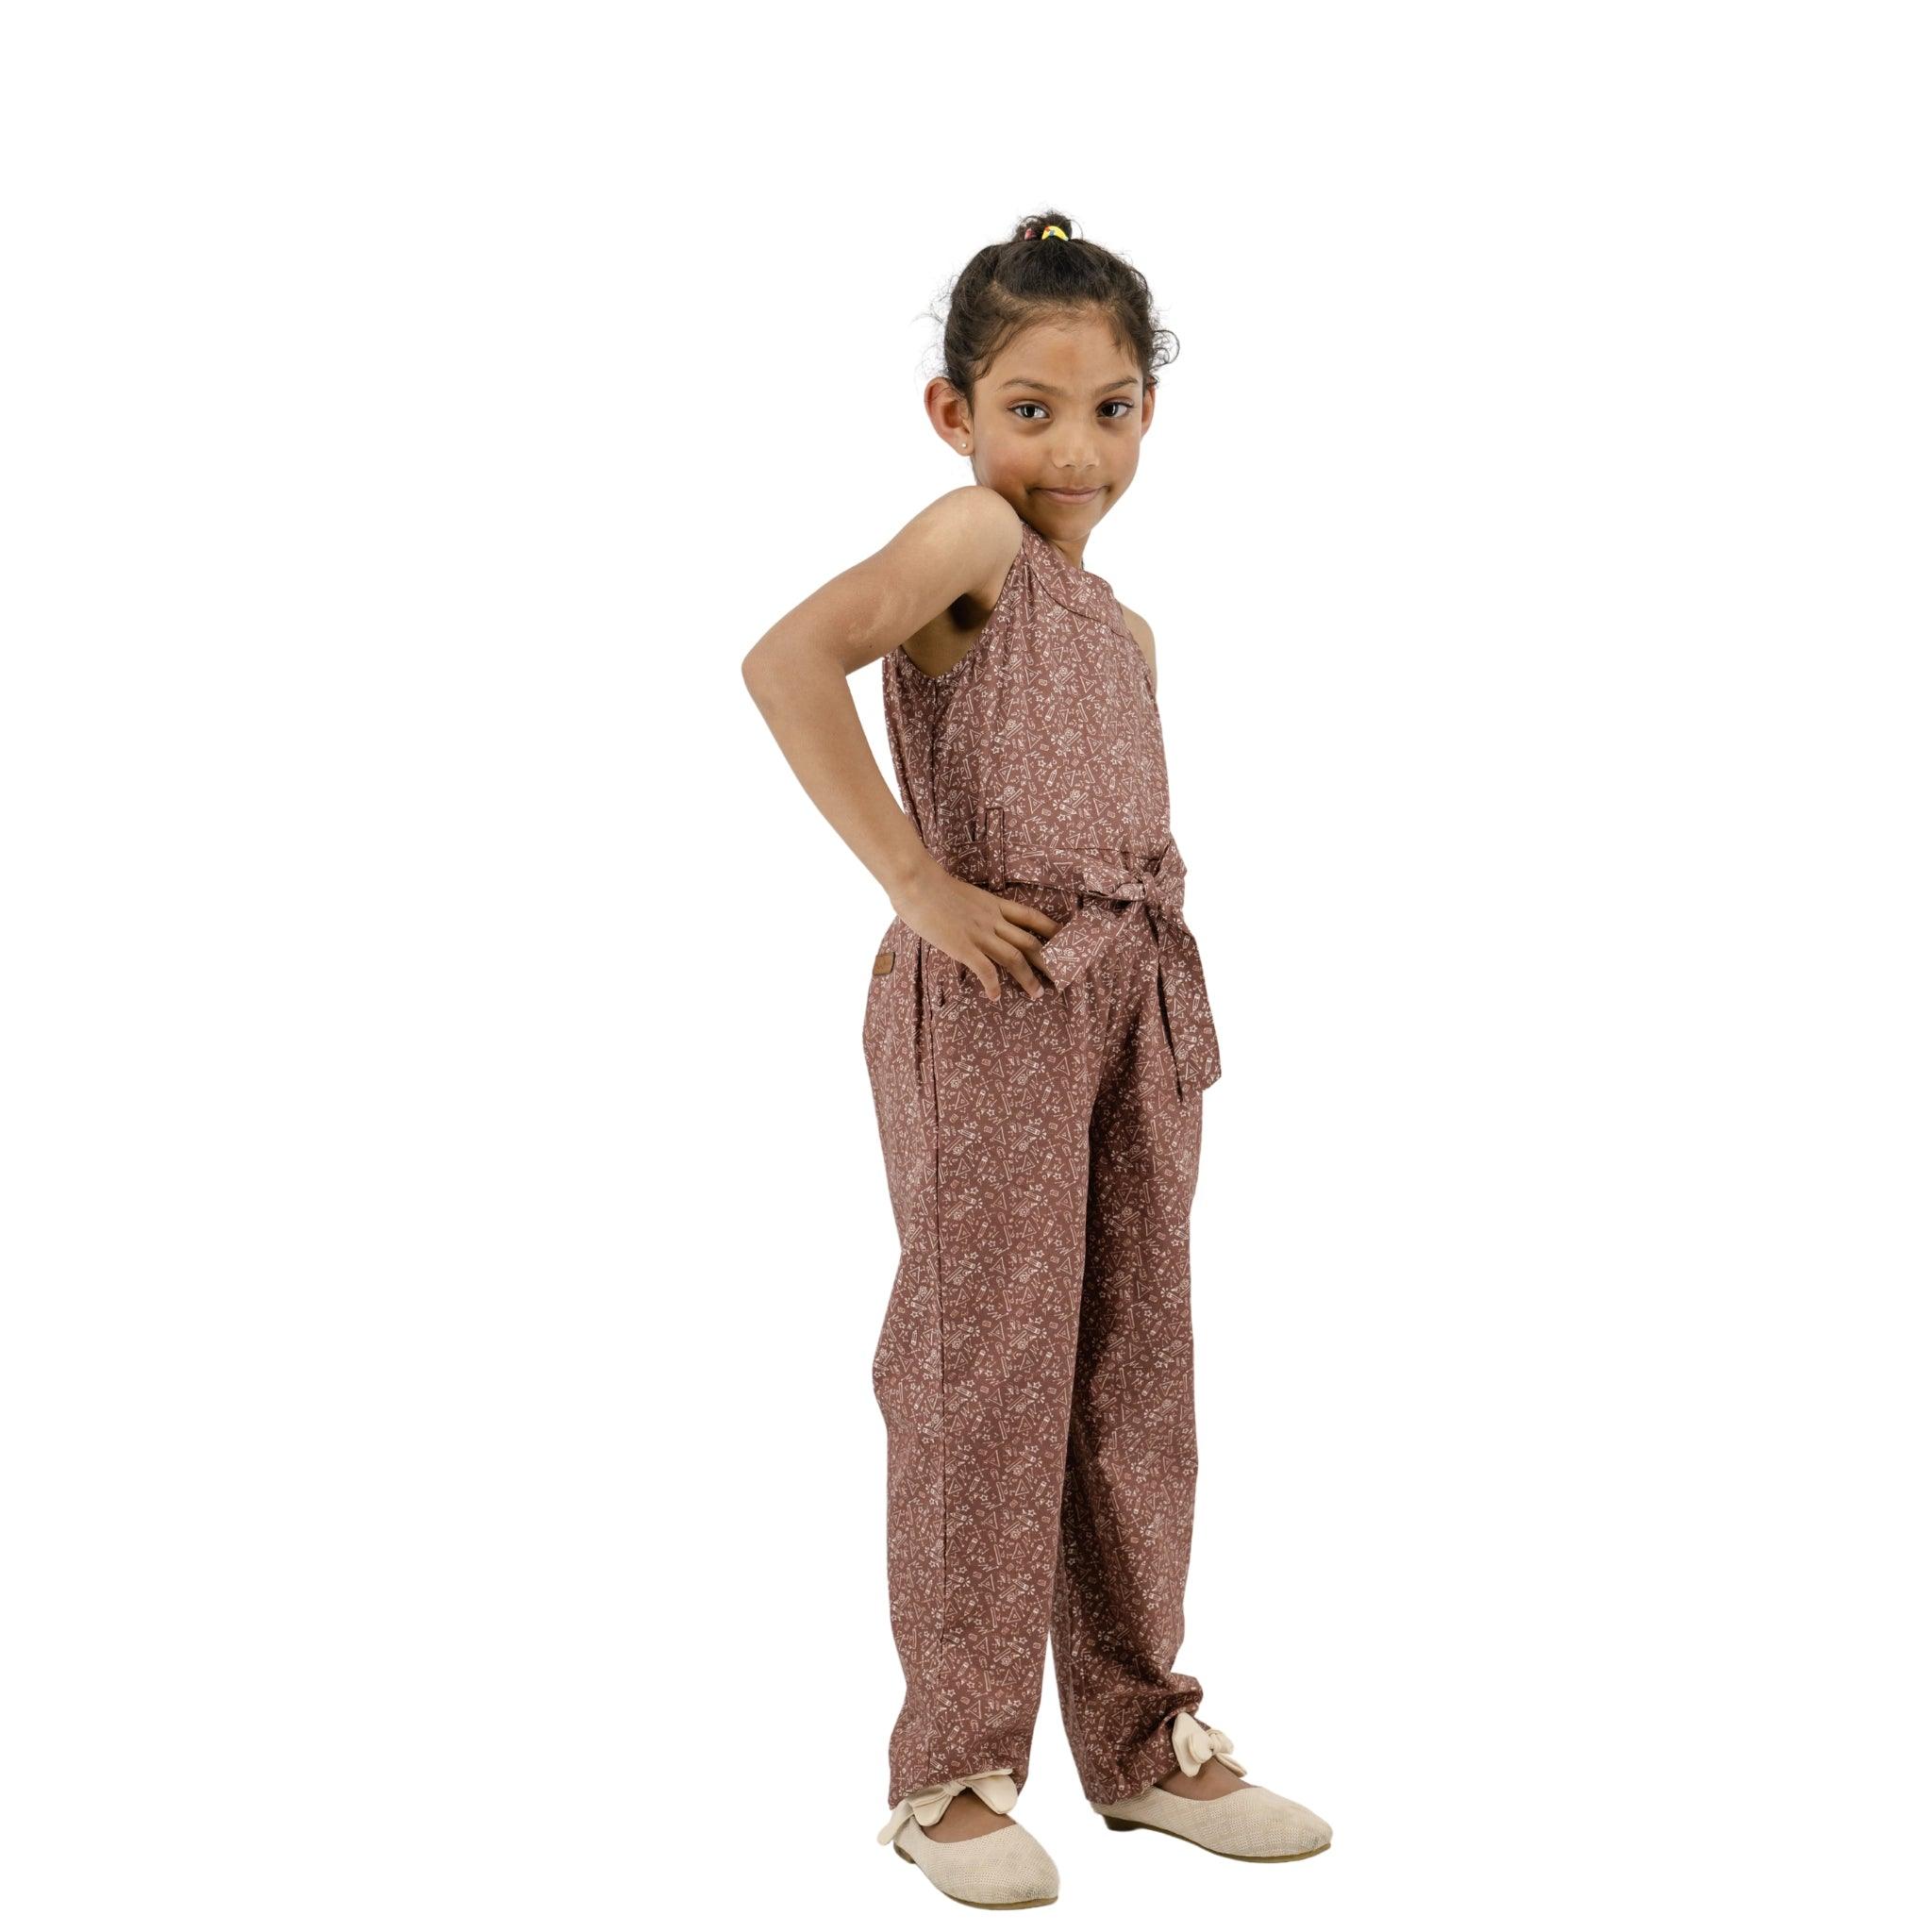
{"points": [[1034, 1366], [1128, 1507]]}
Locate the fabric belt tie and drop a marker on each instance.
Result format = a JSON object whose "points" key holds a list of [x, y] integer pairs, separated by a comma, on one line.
{"points": [[996, 1789], [1108, 898]]}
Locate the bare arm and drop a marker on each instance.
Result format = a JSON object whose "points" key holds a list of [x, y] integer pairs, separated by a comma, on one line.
{"points": [[797, 675], [1143, 636]]}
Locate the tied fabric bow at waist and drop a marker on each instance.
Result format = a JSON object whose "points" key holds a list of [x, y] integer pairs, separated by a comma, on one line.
{"points": [[1108, 897]]}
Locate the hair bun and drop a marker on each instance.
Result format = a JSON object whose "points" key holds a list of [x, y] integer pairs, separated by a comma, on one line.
{"points": [[1052, 225]]}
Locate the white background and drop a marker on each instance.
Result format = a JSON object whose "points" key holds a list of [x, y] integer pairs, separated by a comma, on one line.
{"points": [[445, 1232]]}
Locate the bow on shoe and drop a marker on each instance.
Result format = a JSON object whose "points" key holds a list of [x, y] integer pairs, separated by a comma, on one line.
{"points": [[1195, 1744], [996, 1790]]}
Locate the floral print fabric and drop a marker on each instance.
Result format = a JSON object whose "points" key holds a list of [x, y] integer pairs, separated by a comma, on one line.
{"points": [[1035, 1366]]}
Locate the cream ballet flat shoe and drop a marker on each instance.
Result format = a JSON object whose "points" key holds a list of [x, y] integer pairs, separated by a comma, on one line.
{"points": [[1001, 1869], [1250, 1823]]}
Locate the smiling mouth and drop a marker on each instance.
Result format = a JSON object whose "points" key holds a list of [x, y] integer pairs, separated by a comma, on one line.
{"points": [[1091, 490]]}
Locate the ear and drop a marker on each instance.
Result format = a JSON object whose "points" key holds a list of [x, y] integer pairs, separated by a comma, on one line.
{"points": [[946, 410]]}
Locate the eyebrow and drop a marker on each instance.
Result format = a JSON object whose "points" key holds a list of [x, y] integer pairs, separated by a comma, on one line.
{"points": [[1047, 389]]}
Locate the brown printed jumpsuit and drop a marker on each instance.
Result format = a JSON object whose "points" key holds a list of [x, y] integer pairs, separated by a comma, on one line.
{"points": [[1035, 1366]]}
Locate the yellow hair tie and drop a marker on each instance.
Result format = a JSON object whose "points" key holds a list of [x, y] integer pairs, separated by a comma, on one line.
{"points": [[1057, 229]]}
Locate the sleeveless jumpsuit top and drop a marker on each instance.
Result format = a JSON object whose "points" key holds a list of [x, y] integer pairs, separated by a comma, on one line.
{"points": [[1036, 760]]}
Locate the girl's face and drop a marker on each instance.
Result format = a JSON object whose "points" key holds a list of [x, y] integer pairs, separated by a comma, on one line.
{"points": [[1061, 409]]}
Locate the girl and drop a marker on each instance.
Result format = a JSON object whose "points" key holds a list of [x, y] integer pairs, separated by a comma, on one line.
{"points": [[1038, 1039]]}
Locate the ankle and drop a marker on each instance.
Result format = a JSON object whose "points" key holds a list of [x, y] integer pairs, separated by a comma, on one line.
{"points": [[1212, 1781], [968, 1816]]}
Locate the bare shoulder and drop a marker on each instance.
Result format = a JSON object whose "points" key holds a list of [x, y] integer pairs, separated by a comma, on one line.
{"points": [[1143, 636], [975, 522], [962, 548], [956, 552], [937, 576]]}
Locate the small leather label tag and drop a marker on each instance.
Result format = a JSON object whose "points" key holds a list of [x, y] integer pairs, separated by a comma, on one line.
{"points": [[883, 963]]}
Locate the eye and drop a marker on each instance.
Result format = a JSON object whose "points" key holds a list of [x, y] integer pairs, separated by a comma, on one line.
{"points": [[1124, 404]]}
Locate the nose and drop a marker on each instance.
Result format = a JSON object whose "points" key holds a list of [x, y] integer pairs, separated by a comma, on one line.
{"points": [[1075, 464]]}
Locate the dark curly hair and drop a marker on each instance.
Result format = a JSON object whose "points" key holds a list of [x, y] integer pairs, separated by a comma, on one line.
{"points": [[1010, 285]]}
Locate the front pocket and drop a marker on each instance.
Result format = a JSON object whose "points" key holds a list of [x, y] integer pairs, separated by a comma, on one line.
{"points": [[941, 975]]}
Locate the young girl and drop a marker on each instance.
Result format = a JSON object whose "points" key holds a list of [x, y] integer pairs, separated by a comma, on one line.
{"points": [[1038, 1039]]}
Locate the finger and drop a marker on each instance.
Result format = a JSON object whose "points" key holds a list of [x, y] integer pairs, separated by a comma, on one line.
{"points": [[1030, 944], [1030, 916], [987, 974], [1017, 963]]}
